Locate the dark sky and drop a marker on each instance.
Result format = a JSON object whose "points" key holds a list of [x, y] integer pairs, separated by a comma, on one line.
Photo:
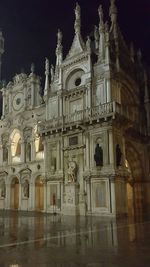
{"points": [[30, 28]]}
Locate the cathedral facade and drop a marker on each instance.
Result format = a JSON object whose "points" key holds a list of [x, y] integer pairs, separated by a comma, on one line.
{"points": [[82, 147]]}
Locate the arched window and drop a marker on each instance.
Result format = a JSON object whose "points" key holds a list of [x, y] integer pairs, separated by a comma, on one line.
{"points": [[16, 146], [39, 147]]}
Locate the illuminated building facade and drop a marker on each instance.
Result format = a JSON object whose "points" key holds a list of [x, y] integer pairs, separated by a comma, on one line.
{"points": [[82, 147]]}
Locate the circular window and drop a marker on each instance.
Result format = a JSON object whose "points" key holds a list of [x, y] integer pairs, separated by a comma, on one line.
{"points": [[77, 81]]}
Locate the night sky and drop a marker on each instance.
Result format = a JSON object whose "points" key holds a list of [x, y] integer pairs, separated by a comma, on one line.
{"points": [[29, 28]]}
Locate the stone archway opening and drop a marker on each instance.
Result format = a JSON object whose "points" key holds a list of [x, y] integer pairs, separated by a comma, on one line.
{"points": [[134, 182], [14, 199], [39, 194]]}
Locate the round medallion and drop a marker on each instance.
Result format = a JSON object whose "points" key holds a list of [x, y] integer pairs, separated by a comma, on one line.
{"points": [[18, 101]]}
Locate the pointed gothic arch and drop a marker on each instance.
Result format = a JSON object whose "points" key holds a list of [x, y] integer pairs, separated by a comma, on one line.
{"points": [[15, 140], [135, 180]]}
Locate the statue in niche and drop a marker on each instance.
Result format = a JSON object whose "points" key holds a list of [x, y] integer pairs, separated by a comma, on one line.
{"points": [[98, 156], [72, 168], [26, 189], [118, 155]]}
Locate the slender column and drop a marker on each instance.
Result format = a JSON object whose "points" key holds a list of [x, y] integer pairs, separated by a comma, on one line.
{"points": [[112, 199], [8, 195], [45, 196], [58, 155], [20, 196], [31, 197], [23, 151], [87, 152], [108, 91], [111, 148]]}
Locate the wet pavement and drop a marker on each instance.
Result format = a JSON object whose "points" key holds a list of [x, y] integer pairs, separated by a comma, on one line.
{"points": [[39, 240]]}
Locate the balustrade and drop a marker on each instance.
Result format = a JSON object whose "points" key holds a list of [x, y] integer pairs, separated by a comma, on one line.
{"points": [[83, 116]]}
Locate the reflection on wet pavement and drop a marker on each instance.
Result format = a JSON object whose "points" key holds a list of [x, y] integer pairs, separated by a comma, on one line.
{"points": [[34, 239]]}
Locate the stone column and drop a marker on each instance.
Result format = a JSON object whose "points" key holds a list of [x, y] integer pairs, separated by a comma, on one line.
{"points": [[8, 195], [108, 87], [111, 148], [31, 197], [9, 154], [23, 151], [113, 197], [45, 196], [88, 196], [32, 150], [58, 156], [20, 196], [87, 152]]}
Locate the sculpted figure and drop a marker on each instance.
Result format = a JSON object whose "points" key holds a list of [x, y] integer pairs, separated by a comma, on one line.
{"points": [[101, 15], [118, 155], [72, 171], [98, 156]]}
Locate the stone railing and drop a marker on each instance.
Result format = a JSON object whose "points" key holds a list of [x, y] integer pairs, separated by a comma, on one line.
{"points": [[83, 116]]}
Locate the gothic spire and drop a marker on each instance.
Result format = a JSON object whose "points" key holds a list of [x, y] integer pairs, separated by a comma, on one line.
{"points": [[113, 15], [101, 33], [46, 88], [59, 48], [101, 15], [77, 24], [1, 49]]}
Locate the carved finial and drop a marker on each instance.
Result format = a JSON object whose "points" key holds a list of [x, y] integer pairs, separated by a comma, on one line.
{"points": [[96, 36], [46, 66], [59, 48], [77, 25], [46, 88], [52, 73], [59, 37], [113, 14], [32, 68], [101, 15]]}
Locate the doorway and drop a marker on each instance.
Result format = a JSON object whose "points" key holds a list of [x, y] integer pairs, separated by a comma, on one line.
{"points": [[15, 194], [39, 194]]}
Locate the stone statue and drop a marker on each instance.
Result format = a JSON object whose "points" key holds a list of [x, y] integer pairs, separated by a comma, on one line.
{"points": [[26, 189], [72, 171], [101, 15], [113, 14], [118, 155], [98, 156]]}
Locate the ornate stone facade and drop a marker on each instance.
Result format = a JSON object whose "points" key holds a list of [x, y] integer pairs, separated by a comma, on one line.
{"points": [[83, 147]]}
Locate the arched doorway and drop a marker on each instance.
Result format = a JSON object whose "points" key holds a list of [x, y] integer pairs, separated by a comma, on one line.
{"points": [[39, 194], [134, 183], [14, 201]]}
